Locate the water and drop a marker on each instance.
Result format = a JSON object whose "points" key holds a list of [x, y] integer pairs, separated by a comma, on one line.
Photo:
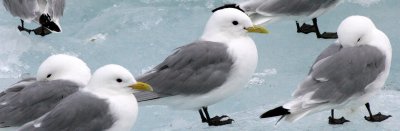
{"points": [[140, 34]]}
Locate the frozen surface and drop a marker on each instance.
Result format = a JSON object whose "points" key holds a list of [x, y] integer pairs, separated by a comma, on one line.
{"points": [[139, 34]]}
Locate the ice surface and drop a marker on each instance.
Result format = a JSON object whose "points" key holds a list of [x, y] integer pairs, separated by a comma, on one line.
{"points": [[139, 34]]}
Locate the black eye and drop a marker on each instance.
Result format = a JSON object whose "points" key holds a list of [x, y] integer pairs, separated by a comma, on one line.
{"points": [[358, 39], [235, 22], [49, 75], [119, 80]]}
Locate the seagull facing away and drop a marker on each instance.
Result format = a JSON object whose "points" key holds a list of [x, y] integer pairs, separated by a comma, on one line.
{"points": [[266, 11], [58, 76], [345, 75], [44, 12], [208, 70], [106, 103]]}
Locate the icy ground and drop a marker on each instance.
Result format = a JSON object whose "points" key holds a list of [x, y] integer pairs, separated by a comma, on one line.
{"points": [[140, 33]]}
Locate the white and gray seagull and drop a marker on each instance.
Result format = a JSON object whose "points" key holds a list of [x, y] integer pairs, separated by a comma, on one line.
{"points": [[266, 11], [106, 103], [345, 75], [208, 70], [47, 13], [58, 76]]}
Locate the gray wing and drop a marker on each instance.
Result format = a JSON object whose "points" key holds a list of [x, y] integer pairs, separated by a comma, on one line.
{"points": [[25, 9], [287, 7], [26, 102], [343, 74], [18, 86], [56, 8], [329, 51], [79, 112], [193, 69]]}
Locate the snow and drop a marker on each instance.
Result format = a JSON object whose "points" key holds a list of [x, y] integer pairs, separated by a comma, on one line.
{"points": [[139, 34]]}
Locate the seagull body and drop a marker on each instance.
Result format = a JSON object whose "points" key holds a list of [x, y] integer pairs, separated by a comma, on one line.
{"points": [[208, 70], [266, 11], [58, 76], [106, 103], [345, 75], [44, 12]]}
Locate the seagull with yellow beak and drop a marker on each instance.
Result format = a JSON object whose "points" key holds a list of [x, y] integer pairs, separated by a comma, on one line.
{"points": [[207, 70], [106, 103]]}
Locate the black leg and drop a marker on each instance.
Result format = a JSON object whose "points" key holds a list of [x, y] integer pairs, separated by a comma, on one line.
{"points": [[22, 27], [215, 121], [334, 121], [298, 27], [375, 118], [203, 119], [325, 35]]}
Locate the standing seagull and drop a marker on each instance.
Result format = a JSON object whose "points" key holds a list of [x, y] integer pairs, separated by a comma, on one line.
{"points": [[345, 75], [208, 70], [106, 103], [58, 76], [45, 12], [264, 11]]}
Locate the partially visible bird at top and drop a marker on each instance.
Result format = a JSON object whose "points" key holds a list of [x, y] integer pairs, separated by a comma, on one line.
{"points": [[266, 11], [47, 13]]}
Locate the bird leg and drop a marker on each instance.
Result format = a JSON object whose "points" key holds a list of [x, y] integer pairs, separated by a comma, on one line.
{"points": [[375, 118], [334, 121], [306, 28], [215, 121], [203, 119], [22, 28]]}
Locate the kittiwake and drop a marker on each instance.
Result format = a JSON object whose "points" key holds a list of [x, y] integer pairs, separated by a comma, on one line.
{"points": [[58, 76], [106, 103], [207, 70], [345, 75], [47, 13]]}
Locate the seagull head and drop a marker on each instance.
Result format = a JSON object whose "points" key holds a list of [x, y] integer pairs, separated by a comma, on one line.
{"points": [[354, 29], [229, 23], [64, 67], [116, 78]]}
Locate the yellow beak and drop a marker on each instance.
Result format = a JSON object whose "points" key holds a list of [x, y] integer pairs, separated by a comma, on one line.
{"points": [[141, 86], [257, 29]]}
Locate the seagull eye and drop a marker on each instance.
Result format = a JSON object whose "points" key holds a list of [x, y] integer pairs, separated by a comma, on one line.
{"points": [[119, 80], [235, 22], [358, 39], [48, 76]]}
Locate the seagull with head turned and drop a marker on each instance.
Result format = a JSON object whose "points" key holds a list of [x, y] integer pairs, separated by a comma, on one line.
{"points": [[44, 12], [207, 70], [345, 75], [267, 11], [58, 76], [106, 103]]}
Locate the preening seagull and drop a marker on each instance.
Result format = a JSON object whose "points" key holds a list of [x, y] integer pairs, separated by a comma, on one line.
{"points": [[47, 13], [345, 75], [208, 70], [58, 76], [106, 103], [266, 11]]}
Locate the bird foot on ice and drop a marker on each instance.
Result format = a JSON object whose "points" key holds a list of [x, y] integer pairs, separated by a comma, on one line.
{"points": [[42, 31], [328, 35], [20, 28], [220, 120], [306, 28], [340, 121], [377, 118]]}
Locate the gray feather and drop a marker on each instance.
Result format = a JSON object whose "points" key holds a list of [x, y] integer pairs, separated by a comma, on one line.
{"points": [[25, 102], [25, 9], [287, 7], [193, 69], [80, 111], [346, 74], [329, 51]]}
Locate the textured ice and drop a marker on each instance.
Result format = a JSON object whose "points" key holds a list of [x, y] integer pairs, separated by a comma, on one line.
{"points": [[139, 34]]}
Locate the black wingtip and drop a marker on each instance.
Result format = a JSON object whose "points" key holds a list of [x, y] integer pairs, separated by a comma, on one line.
{"points": [[235, 6], [279, 111]]}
